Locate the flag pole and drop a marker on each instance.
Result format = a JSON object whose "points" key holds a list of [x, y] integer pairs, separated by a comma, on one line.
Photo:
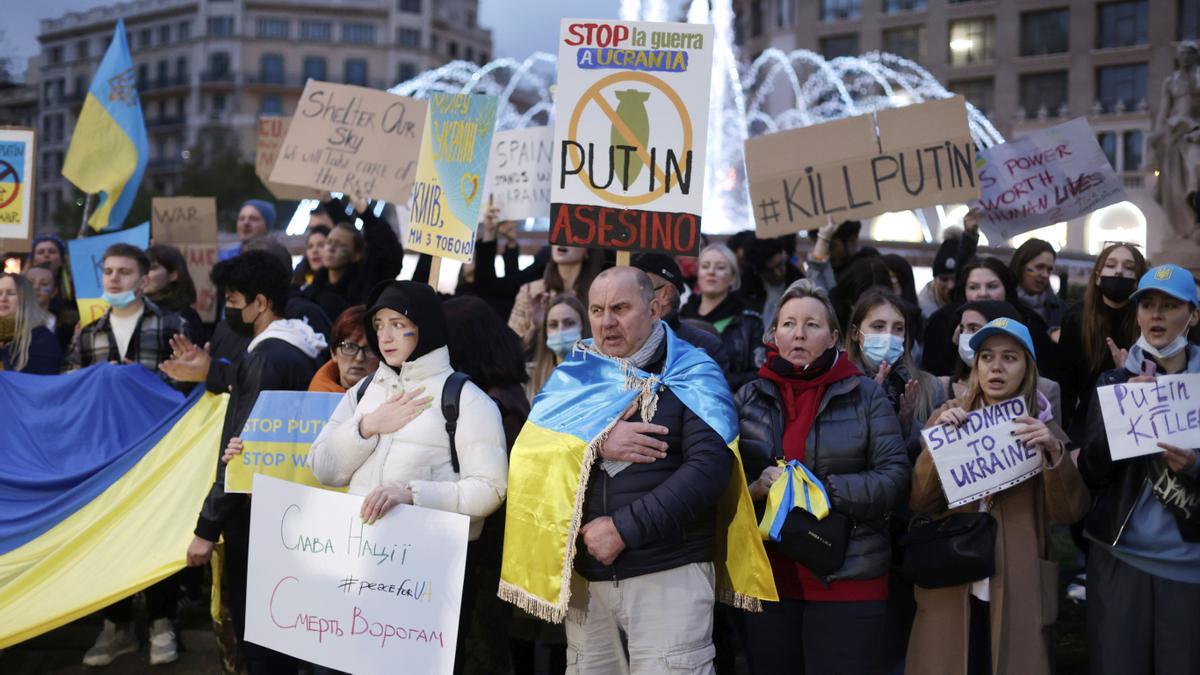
{"points": [[87, 206]]}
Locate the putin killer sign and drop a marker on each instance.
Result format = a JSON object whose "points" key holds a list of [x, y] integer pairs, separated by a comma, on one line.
{"points": [[630, 134]]}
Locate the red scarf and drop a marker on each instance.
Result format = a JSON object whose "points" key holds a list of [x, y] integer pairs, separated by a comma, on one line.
{"points": [[802, 390]]}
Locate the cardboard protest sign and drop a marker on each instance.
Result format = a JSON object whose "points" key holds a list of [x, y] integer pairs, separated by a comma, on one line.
{"points": [[982, 457], [180, 220], [17, 190], [361, 142], [1139, 416], [1043, 178], [272, 129], [324, 587], [451, 176], [630, 135], [518, 173], [923, 155], [87, 267], [200, 260], [277, 437]]}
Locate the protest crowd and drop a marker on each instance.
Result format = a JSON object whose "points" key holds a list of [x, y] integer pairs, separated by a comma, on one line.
{"points": [[727, 461]]}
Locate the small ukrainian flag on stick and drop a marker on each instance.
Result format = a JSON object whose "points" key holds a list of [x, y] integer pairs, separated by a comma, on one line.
{"points": [[108, 151]]}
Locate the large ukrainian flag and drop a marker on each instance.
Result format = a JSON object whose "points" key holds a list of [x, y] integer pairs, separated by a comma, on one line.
{"points": [[99, 494], [108, 149], [552, 461]]}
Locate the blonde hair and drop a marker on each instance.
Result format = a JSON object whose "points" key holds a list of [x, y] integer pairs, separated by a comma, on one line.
{"points": [[29, 316], [545, 361], [730, 258], [1028, 391], [804, 288]]}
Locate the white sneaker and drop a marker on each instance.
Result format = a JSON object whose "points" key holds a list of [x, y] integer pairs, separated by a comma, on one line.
{"points": [[162, 643], [111, 643], [1077, 591]]}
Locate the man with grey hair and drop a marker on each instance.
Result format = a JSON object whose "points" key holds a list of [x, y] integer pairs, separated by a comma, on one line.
{"points": [[647, 543]]}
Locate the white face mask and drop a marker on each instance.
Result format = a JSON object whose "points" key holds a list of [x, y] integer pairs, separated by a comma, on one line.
{"points": [[964, 348], [1174, 347]]}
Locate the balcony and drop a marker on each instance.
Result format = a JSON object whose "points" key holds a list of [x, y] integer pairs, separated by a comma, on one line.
{"points": [[275, 82], [217, 77], [165, 83], [166, 121]]}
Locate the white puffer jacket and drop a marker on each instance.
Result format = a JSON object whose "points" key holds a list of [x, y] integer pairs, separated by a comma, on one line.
{"points": [[418, 455]]}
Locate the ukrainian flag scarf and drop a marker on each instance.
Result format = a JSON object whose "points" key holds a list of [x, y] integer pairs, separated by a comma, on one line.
{"points": [[552, 461]]}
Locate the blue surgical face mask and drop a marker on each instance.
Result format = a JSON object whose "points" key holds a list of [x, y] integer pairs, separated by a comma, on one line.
{"points": [[1174, 347], [964, 348], [880, 347], [120, 300], [561, 343]]}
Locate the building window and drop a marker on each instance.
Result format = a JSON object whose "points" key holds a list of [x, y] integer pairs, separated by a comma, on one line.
{"points": [[358, 33], [316, 31], [756, 18], [840, 10], [81, 87], [410, 6], [907, 42], [81, 49], [185, 30], [315, 68], [979, 93], [1131, 147], [271, 68], [783, 13], [181, 70], [218, 104], [164, 35], [971, 41], [1045, 32], [839, 45], [220, 25], [406, 71], [56, 55], [145, 38], [356, 72], [1123, 85], [162, 73], [1122, 24], [408, 37], [270, 105], [1108, 143], [1189, 19], [218, 65], [274, 29], [143, 78], [452, 49], [1043, 90], [897, 6], [470, 53], [739, 31]]}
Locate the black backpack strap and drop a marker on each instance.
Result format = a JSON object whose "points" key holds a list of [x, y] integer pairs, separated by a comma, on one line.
{"points": [[362, 387], [451, 396]]}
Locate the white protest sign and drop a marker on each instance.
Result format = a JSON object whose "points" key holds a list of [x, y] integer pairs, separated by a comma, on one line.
{"points": [[981, 457], [518, 174], [326, 588], [631, 126], [1138, 416], [1043, 178]]}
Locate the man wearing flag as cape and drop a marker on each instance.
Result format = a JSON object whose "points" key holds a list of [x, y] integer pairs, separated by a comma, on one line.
{"points": [[635, 543]]}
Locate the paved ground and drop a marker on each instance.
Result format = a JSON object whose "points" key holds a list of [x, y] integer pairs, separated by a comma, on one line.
{"points": [[61, 652]]}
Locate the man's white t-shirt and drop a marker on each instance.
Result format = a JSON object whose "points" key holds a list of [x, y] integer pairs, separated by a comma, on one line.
{"points": [[122, 328]]}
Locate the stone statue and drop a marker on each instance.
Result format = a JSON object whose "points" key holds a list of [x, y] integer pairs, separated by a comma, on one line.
{"points": [[1175, 143]]}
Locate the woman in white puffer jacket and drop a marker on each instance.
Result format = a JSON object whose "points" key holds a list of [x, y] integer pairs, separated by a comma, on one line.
{"points": [[391, 444]]}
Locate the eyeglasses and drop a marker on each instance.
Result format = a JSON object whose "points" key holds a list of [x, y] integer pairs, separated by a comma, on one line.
{"points": [[351, 349]]}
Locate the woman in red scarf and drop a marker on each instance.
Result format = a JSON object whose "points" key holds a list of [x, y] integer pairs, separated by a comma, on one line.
{"points": [[811, 404]]}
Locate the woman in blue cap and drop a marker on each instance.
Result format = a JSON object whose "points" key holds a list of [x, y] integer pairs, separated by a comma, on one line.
{"points": [[1143, 598], [996, 624]]}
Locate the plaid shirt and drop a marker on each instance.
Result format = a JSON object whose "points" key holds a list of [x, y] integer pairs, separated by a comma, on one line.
{"points": [[149, 345]]}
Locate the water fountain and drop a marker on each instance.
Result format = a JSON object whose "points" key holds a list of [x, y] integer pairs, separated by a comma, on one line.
{"points": [[779, 90]]}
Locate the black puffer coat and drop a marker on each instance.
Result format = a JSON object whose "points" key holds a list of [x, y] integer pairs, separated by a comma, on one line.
{"points": [[854, 447]]}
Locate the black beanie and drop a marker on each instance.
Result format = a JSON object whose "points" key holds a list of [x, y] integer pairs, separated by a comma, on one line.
{"points": [[419, 304], [944, 262]]}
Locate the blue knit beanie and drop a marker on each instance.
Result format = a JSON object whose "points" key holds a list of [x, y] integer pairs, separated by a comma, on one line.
{"points": [[265, 209]]}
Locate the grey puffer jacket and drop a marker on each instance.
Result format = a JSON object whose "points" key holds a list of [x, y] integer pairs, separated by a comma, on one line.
{"points": [[854, 447]]}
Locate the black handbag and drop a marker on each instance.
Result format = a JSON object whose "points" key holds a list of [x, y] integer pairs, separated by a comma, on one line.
{"points": [[950, 551], [819, 545]]}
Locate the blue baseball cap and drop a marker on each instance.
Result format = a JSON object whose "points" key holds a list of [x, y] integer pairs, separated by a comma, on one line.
{"points": [[1170, 279], [1004, 326]]}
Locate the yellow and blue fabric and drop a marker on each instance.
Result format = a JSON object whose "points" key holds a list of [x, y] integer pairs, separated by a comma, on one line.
{"points": [[796, 479], [87, 267], [100, 491], [552, 460], [108, 150], [277, 438]]}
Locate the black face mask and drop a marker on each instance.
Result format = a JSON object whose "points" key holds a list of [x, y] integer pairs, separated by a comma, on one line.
{"points": [[237, 323], [1117, 289]]}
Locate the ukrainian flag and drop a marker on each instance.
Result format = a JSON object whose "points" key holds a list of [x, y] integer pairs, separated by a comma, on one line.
{"points": [[100, 493], [109, 150], [552, 460]]}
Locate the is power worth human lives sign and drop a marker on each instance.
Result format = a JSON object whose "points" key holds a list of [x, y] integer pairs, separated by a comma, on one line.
{"points": [[630, 135], [889, 160]]}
